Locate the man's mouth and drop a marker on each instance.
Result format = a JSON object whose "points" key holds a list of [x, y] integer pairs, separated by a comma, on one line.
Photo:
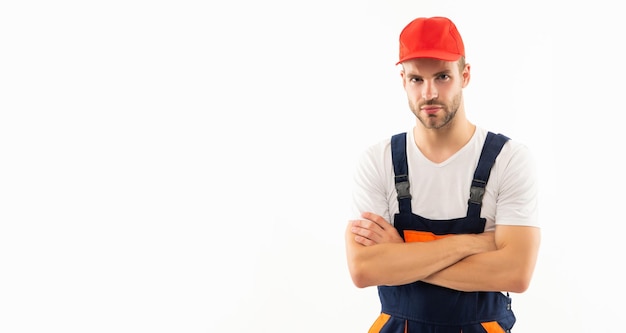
{"points": [[431, 109]]}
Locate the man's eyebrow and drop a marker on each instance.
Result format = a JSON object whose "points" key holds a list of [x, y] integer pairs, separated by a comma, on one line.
{"points": [[413, 75], [445, 71]]}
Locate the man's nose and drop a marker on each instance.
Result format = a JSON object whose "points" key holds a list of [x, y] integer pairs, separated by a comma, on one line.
{"points": [[429, 92]]}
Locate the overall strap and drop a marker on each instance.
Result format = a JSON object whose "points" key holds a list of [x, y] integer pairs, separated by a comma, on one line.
{"points": [[492, 147], [401, 171]]}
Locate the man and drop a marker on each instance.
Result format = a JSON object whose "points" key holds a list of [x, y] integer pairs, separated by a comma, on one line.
{"points": [[447, 223]]}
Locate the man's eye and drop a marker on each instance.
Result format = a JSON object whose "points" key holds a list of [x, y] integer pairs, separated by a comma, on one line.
{"points": [[444, 77], [416, 79]]}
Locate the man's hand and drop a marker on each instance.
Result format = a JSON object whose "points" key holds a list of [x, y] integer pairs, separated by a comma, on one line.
{"points": [[374, 230]]}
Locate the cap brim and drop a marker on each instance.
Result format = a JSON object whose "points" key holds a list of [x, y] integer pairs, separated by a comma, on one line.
{"points": [[435, 54]]}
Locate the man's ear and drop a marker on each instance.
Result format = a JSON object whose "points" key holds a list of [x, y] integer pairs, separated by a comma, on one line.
{"points": [[466, 75], [402, 77]]}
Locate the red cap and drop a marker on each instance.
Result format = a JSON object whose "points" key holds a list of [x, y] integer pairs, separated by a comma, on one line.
{"points": [[432, 37]]}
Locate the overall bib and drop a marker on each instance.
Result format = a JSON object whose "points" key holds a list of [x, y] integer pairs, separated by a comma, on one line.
{"points": [[421, 307]]}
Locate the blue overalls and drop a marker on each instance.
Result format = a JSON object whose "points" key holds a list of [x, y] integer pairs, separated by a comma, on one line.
{"points": [[420, 307]]}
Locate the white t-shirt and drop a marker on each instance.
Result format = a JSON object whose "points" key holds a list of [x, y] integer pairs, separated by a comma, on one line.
{"points": [[442, 190]]}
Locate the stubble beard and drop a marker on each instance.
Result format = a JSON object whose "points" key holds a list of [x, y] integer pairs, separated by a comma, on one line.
{"points": [[442, 118]]}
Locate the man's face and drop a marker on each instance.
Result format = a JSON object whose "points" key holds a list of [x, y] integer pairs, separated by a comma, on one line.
{"points": [[434, 89]]}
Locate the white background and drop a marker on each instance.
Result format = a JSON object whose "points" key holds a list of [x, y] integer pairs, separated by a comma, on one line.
{"points": [[184, 166]]}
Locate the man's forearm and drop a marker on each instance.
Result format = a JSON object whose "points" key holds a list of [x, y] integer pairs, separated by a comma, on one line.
{"points": [[480, 272], [402, 263], [509, 268]]}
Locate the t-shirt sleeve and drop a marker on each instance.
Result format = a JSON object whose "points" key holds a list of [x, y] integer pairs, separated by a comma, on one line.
{"points": [[517, 200], [369, 193]]}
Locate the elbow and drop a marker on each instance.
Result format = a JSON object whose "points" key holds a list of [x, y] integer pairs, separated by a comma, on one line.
{"points": [[360, 268], [360, 276], [520, 282], [519, 286], [360, 282]]}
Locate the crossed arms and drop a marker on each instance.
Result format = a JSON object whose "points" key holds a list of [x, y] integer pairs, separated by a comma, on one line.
{"points": [[503, 260]]}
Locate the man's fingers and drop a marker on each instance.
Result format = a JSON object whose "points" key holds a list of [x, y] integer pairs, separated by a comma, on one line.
{"points": [[365, 224], [363, 229], [374, 229], [363, 241], [379, 220]]}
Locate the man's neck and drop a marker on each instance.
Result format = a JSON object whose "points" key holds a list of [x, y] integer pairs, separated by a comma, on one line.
{"points": [[440, 144]]}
